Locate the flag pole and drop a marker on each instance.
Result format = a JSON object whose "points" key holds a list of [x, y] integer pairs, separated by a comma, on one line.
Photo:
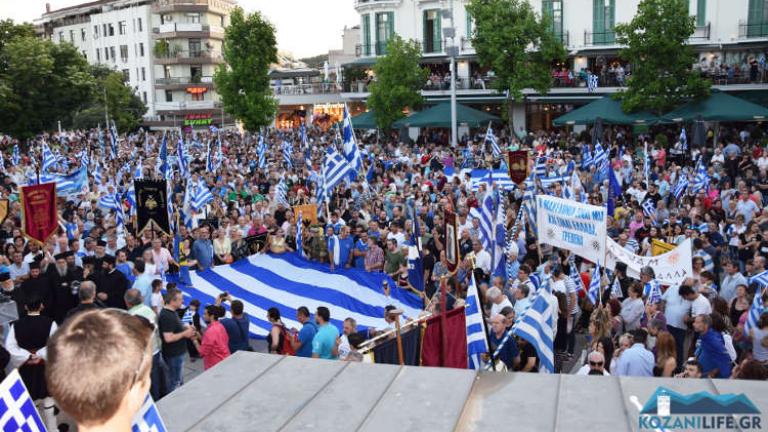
{"points": [[400, 357], [443, 322]]}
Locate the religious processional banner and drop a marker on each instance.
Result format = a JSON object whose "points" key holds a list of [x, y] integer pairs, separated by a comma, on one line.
{"points": [[308, 213], [451, 241], [671, 268], [39, 217], [152, 206], [518, 166], [579, 228]]}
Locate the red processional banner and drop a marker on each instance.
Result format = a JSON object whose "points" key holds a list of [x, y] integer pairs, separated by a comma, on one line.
{"points": [[518, 166], [451, 241], [39, 216]]}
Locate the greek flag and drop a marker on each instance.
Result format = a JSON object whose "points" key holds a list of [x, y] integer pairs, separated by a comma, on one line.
{"points": [[684, 140], [188, 315], [756, 310], [288, 154], [761, 279], [281, 192], [262, 150], [477, 340], [485, 215], [164, 168], [299, 235], [652, 291], [536, 326], [17, 409], [303, 134], [680, 186], [84, 160], [649, 209], [529, 202], [351, 152], [646, 164], [574, 273], [109, 201], [16, 156], [113, 140], [139, 172], [101, 140], [600, 157], [541, 166], [97, 178], [70, 184], [148, 418], [181, 154], [499, 176], [592, 82], [201, 196], [287, 281], [586, 157], [701, 181], [322, 193], [49, 160], [594, 286], [335, 169], [491, 138]]}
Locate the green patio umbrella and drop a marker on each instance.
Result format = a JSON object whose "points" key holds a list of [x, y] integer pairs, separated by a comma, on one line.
{"points": [[718, 106], [361, 121], [608, 110], [440, 116]]}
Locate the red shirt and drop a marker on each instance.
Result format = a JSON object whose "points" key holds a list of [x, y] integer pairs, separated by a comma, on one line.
{"points": [[215, 345]]}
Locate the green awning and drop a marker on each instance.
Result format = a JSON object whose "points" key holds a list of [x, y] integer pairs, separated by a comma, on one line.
{"points": [[440, 116], [719, 106], [363, 121], [608, 109]]}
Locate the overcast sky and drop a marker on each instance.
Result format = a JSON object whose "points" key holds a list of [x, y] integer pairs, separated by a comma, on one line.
{"points": [[304, 27]]}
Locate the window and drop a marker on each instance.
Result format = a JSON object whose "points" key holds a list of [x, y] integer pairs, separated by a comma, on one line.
{"points": [[195, 48], [197, 96], [72, 36], [124, 53], [112, 53], [553, 10], [106, 53], [85, 56], [144, 97], [757, 18], [143, 74], [122, 27], [105, 33], [82, 34], [140, 28], [141, 49], [167, 71], [366, 35], [165, 19], [111, 30], [469, 25], [603, 15], [126, 75], [385, 29], [96, 32], [61, 36], [196, 72], [168, 96], [98, 56], [433, 32], [701, 13], [193, 18]]}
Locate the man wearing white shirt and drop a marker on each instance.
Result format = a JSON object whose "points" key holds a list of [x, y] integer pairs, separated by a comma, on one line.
{"points": [[482, 258], [498, 301], [731, 280]]}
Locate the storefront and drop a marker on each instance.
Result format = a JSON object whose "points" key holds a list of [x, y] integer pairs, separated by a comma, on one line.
{"points": [[325, 116]]}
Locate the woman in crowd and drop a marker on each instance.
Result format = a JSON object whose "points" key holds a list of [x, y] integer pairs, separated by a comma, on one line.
{"points": [[666, 355], [222, 247]]}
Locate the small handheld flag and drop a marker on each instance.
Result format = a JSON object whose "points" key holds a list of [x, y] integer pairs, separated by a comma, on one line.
{"points": [[17, 410]]}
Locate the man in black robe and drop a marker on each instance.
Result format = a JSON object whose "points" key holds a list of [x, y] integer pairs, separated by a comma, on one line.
{"points": [[61, 280], [113, 284], [38, 287]]}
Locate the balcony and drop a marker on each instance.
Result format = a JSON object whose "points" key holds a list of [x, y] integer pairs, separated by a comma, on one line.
{"points": [[188, 30], [179, 83], [369, 50], [599, 38], [751, 30], [564, 37], [187, 105], [220, 7], [306, 89], [190, 57], [465, 44], [362, 4], [701, 33]]}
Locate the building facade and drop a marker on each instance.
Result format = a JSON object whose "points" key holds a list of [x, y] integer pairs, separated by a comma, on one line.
{"points": [[730, 41], [167, 50]]}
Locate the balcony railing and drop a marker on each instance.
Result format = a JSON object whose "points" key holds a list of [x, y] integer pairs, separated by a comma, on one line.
{"points": [[306, 89], [753, 29], [372, 2], [184, 80], [186, 105], [599, 38], [186, 27], [178, 55], [701, 33], [364, 50], [466, 43], [434, 83]]}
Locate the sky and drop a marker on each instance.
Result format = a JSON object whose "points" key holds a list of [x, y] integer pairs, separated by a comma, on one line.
{"points": [[304, 27]]}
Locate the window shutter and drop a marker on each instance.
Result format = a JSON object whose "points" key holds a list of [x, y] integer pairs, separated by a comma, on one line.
{"points": [[438, 31], [701, 13]]}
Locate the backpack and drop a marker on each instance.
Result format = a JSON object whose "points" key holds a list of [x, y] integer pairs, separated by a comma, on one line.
{"points": [[285, 347]]}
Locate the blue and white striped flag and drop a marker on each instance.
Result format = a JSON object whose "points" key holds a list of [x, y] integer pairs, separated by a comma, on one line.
{"points": [[281, 192], [756, 310], [109, 201], [288, 155], [486, 216], [148, 418], [491, 138], [594, 286], [592, 82], [499, 176], [541, 166], [684, 140], [701, 181], [181, 156], [299, 235], [262, 151], [761, 279], [586, 157], [303, 135], [574, 273], [97, 178], [477, 340], [49, 160], [529, 202], [652, 291], [139, 172], [16, 156], [351, 151], [188, 316], [649, 209], [201, 196], [17, 409], [113, 140], [335, 169], [537, 327], [71, 184], [680, 186], [164, 168]]}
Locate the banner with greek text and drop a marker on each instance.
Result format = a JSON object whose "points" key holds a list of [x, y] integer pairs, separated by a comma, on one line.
{"points": [[579, 228], [671, 268]]}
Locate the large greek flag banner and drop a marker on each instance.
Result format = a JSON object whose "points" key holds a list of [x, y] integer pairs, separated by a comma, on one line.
{"points": [[17, 410], [288, 281]]}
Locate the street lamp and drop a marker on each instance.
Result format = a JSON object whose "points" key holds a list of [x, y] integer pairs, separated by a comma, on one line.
{"points": [[453, 52]]}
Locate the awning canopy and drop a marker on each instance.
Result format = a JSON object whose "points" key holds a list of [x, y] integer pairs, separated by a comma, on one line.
{"points": [[362, 121], [609, 110], [719, 106], [440, 116]]}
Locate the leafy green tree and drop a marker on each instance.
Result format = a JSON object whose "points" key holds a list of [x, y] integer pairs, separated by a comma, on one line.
{"points": [[10, 30], [656, 46], [516, 44], [123, 105], [250, 48], [398, 82]]}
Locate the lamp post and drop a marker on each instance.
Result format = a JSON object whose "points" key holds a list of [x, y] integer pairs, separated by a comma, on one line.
{"points": [[453, 52]]}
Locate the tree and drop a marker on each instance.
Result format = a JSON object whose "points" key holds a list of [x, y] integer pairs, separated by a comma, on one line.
{"points": [[123, 105], [655, 40], [10, 31], [398, 82], [516, 44], [250, 48]]}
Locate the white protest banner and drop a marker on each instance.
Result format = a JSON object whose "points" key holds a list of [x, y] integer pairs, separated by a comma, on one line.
{"points": [[579, 228], [671, 268]]}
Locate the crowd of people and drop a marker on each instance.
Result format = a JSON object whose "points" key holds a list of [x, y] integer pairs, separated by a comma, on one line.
{"points": [[94, 260]]}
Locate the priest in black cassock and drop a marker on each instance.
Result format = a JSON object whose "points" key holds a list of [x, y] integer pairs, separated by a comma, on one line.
{"points": [[113, 284], [61, 279], [37, 287]]}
